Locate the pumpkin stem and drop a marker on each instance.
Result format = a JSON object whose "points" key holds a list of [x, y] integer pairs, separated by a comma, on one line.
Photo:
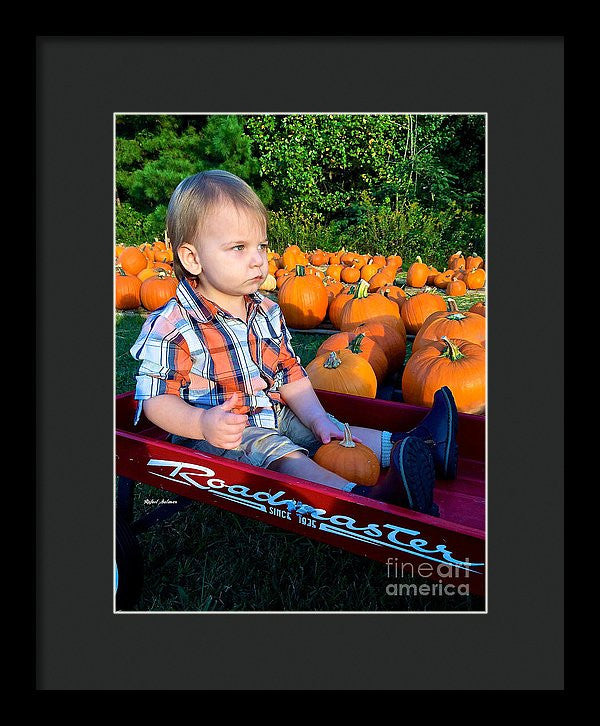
{"points": [[452, 351], [347, 440], [355, 345], [300, 271], [121, 271], [419, 260], [362, 289], [451, 305], [333, 360]]}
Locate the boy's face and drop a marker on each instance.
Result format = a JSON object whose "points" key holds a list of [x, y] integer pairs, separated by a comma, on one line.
{"points": [[229, 254]]}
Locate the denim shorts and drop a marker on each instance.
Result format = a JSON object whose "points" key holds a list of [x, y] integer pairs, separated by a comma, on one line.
{"points": [[262, 446]]}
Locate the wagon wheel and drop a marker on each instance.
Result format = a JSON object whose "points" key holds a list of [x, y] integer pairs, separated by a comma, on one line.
{"points": [[130, 572]]}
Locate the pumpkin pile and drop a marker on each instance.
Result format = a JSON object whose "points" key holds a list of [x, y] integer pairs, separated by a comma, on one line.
{"points": [[144, 275]]}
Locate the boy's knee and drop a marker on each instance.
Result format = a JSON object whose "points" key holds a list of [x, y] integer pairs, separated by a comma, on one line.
{"points": [[286, 460]]}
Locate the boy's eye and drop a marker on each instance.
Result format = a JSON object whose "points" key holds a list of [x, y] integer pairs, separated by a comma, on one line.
{"points": [[262, 246]]}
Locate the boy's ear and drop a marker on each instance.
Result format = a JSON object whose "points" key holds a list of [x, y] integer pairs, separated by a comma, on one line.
{"points": [[188, 256]]}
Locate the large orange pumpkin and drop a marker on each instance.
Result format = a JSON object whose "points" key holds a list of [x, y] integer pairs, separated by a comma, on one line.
{"points": [[352, 460], [363, 346], [127, 291], [417, 274], [303, 300], [393, 292], [343, 371], [336, 306], [365, 306], [417, 308], [157, 290], [132, 260], [390, 339], [451, 323], [458, 364]]}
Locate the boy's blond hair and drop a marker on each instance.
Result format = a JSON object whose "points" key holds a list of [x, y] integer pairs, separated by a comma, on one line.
{"points": [[196, 197]]}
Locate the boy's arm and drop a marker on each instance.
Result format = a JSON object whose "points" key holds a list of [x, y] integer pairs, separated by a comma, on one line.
{"points": [[174, 415], [300, 396], [218, 425]]}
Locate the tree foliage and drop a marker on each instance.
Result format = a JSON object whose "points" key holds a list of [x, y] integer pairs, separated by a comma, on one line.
{"points": [[378, 178]]}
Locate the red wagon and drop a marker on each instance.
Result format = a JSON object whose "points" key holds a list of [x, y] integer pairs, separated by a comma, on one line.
{"points": [[450, 548]]}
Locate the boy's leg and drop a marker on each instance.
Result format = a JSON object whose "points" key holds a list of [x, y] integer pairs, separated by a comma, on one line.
{"points": [[299, 464]]}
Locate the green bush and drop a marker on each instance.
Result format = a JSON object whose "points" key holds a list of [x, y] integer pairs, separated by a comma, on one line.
{"points": [[434, 236], [134, 228]]}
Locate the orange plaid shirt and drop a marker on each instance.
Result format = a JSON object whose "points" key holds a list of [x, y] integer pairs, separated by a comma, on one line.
{"points": [[194, 349]]}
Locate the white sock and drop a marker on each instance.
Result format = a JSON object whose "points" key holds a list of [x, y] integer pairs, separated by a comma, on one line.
{"points": [[386, 448]]}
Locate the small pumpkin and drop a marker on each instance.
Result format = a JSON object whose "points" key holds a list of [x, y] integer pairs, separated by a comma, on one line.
{"points": [[269, 283], [303, 300], [432, 274], [458, 364], [343, 371], [478, 308], [350, 274], [443, 279], [352, 460], [456, 260], [475, 279], [335, 271], [417, 308], [379, 261], [351, 259], [394, 260], [312, 270], [473, 262], [333, 288], [417, 274], [456, 288], [318, 258], [451, 323], [334, 311], [132, 260], [367, 272], [293, 256], [281, 275], [158, 290], [381, 278]]}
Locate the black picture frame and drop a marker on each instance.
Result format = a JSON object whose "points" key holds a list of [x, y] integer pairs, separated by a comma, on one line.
{"points": [[81, 81]]}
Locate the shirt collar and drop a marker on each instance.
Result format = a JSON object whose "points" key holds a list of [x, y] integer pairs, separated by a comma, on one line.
{"points": [[205, 310]]}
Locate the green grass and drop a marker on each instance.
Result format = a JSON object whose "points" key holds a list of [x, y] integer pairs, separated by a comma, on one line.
{"points": [[208, 559]]}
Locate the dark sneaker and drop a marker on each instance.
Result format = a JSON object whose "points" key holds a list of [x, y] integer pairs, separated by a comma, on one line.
{"points": [[410, 479], [438, 430]]}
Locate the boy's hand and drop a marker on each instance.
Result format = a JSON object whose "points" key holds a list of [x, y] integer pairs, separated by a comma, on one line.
{"points": [[221, 426], [324, 429]]}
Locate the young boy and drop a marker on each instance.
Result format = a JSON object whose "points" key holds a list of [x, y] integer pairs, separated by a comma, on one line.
{"points": [[218, 371]]}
